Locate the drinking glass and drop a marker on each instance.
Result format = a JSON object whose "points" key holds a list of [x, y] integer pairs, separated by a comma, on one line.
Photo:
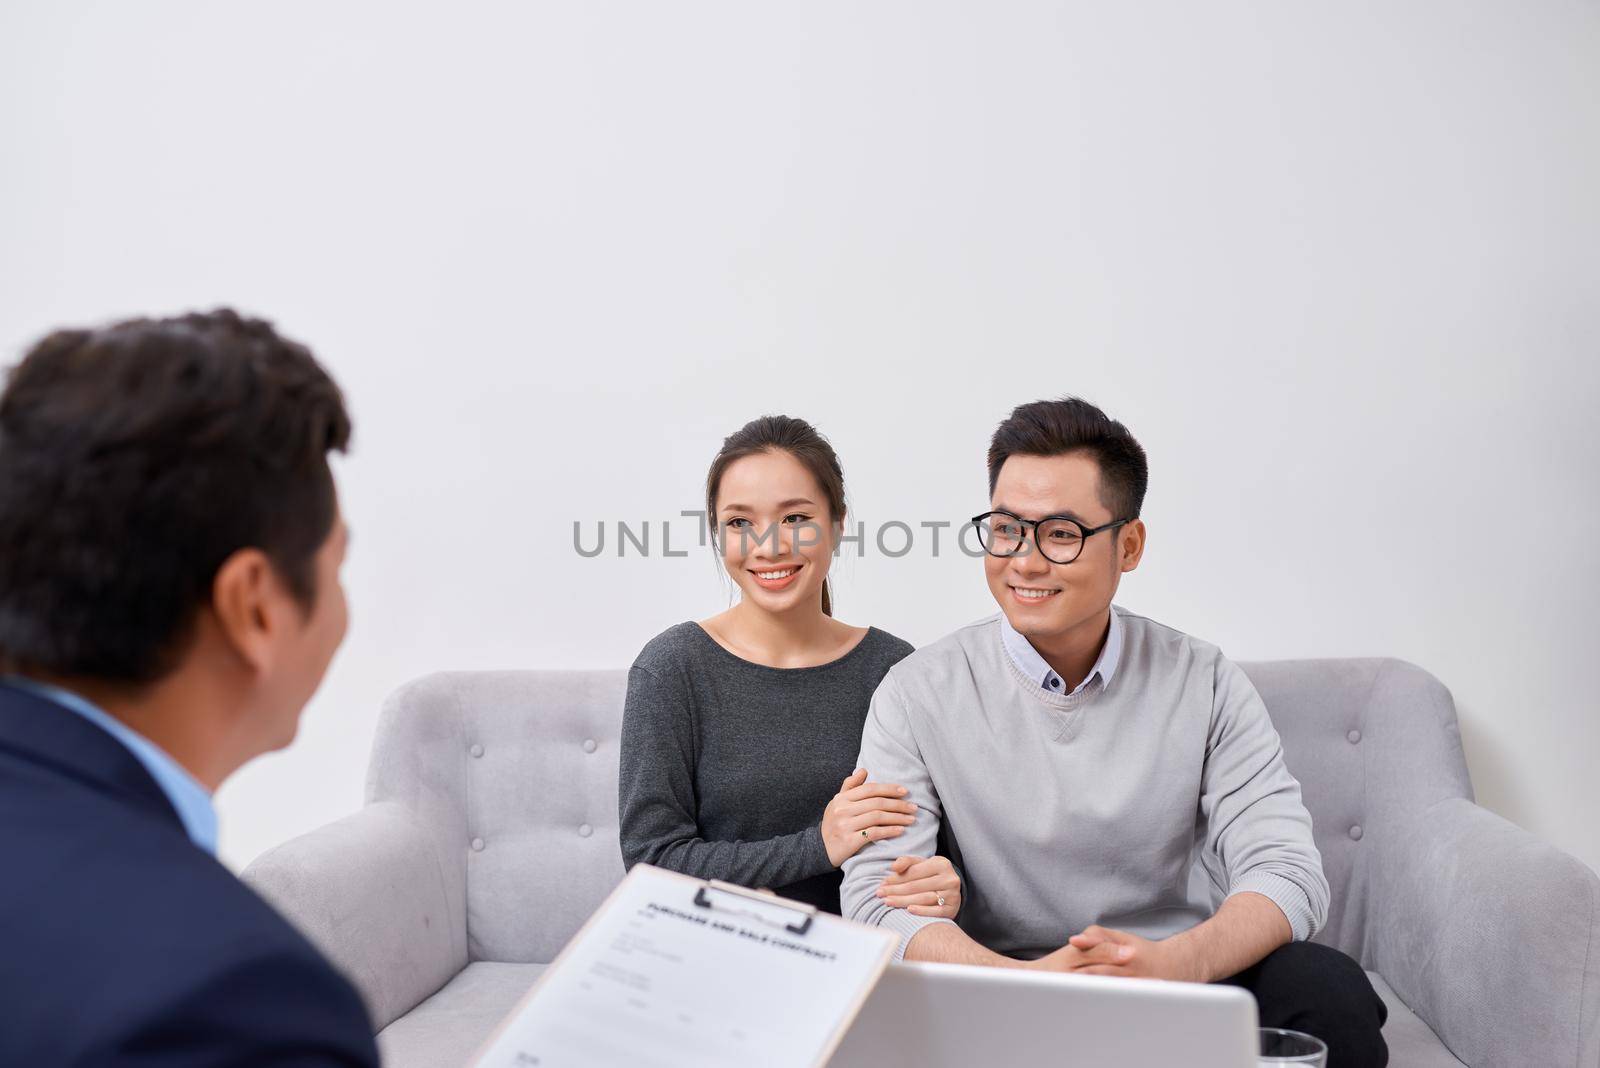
{"points": [[1281, 1048]]}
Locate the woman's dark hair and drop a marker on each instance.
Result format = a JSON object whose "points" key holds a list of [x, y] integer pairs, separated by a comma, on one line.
{"points": [[1058, 427], [798, 438], [134, 460]]}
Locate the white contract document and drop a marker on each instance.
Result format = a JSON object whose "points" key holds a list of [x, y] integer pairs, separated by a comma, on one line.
{"points": [[674, 971]]}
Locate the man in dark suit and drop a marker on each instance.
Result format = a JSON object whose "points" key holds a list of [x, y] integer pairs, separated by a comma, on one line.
{"points": [[170, 543]]}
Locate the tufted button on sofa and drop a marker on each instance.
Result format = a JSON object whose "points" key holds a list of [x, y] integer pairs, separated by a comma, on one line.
{"points": [[490, 833]]}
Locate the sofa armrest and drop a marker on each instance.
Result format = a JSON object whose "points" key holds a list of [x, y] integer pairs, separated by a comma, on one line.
{"points": [[1491, 935], [370, 892]]}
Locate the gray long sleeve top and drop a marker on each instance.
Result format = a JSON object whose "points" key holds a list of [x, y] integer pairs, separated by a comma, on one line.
{"points": [[1138, 804], [727, 765]]}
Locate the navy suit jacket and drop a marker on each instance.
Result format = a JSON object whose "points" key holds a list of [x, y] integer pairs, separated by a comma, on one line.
{"points": [[122, 943]]}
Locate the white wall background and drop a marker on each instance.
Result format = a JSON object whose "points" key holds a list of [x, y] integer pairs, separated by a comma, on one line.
{"points": [[1337, 264]]}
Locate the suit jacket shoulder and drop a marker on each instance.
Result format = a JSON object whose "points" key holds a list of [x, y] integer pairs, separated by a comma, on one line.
{"points": [[126, 944]]}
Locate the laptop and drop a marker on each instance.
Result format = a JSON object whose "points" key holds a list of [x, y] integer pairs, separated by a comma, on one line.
{"points": [[924, 1015]]}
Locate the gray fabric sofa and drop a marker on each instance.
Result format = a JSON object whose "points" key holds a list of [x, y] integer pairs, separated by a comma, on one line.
{"points": [[490, 833]]}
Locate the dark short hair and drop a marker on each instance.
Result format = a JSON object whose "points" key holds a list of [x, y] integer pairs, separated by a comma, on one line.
{"points": [[134, 460], [1069, 425]]}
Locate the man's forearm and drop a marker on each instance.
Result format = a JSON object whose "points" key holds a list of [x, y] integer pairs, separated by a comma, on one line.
{"points": [[948, 944], [1245, 929]]}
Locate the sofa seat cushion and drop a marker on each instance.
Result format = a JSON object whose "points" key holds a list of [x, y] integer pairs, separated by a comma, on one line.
{"points": [[1412, 1043], [449, 1027]]}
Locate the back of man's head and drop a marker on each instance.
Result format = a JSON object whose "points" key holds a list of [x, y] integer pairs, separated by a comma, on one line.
{"points": [[135, 460]]}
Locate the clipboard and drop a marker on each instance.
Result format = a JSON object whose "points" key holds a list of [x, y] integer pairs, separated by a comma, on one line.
{"points": [[703, 899], [674, 971]]}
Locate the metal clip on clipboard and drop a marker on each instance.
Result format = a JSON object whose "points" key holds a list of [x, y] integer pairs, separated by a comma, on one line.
{"points": [[702, 898]]}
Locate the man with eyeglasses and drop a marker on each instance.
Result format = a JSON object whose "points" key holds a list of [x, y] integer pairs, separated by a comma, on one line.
{"points": [[1082, 758]]}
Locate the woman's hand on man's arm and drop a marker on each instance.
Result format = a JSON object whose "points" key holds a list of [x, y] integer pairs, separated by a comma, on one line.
{"points": [[863, 812], [928, 887]]}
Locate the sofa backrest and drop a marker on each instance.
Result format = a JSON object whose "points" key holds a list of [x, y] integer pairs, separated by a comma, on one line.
{"points": [[1373, 742], [514, 773]]}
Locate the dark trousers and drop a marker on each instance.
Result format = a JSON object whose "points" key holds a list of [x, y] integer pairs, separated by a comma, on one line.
{"points": [[1304, 986]]}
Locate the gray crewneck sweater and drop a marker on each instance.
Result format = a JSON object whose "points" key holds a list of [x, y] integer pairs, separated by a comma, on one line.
{"points": [[727, 764], [1137, 805]]}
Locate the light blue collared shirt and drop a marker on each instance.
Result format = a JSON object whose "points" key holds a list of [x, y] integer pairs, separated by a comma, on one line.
{"points": [[188, 797], [1031, 664]]}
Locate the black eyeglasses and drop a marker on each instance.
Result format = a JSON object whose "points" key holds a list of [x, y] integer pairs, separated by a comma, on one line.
{"points": [[1059, 539]]}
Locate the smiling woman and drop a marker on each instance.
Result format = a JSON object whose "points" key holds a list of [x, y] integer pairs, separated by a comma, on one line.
{"points": [[740, 732], [778, 472]]}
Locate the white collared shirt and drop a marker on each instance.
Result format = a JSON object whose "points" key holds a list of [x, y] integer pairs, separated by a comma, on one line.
{"points": [[1034, 666]]}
